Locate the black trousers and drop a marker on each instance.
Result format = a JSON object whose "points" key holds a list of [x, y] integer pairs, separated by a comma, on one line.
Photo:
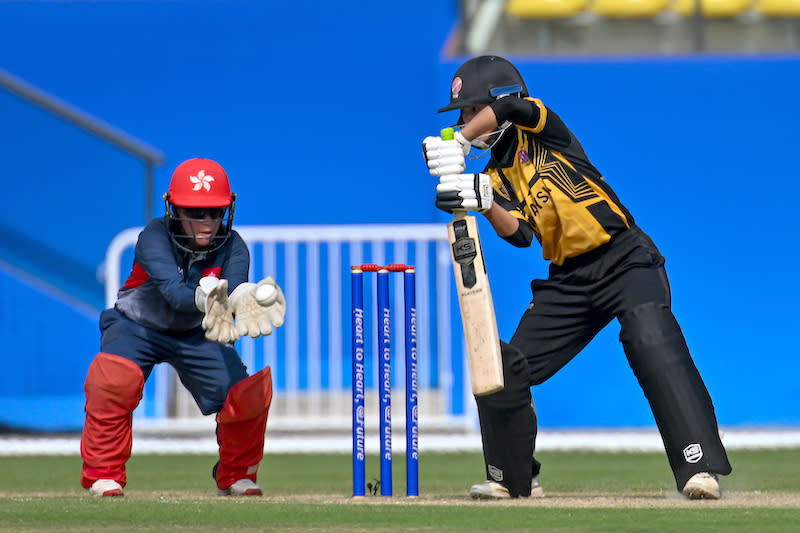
{"points": [[625, 279]]}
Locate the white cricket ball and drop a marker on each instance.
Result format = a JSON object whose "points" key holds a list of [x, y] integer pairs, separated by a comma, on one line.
{"points": [[266, 294]]}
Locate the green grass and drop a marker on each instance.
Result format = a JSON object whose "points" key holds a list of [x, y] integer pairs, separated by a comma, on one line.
{"points": [[585, 492]]}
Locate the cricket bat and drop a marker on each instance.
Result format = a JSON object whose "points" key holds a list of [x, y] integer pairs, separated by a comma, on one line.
{"points": [[475, 300]]}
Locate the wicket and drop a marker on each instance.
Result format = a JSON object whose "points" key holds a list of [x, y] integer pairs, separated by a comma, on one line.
{"points": [[384, 378]]}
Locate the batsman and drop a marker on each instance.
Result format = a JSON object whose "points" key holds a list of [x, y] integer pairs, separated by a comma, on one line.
{"points": [[539, 183], [185, 303]]}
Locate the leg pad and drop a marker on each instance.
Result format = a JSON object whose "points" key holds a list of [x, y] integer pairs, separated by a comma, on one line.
{"points": [[241, 427], [113, 389], [680, 402], [508, 427]]}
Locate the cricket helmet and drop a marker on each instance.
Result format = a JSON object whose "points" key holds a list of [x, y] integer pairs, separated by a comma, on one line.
{"points": [[199, 182], [482, 80], [201, 186]]}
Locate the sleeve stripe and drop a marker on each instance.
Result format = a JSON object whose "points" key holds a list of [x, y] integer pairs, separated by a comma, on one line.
{"points": [[542, 117]]}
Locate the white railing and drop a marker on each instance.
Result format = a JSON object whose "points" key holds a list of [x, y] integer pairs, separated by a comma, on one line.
{"points": [[310, 354]]}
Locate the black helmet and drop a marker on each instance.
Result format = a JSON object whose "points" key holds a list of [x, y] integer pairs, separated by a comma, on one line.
{"points": [[482, 80]]}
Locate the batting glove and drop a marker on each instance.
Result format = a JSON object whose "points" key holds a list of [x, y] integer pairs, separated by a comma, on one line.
{"points": [[445, 157], [211, 297], [464, 192]]}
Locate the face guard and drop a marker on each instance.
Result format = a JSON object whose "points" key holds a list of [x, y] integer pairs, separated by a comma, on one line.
{"points": [[487, 141], [188, 242]]}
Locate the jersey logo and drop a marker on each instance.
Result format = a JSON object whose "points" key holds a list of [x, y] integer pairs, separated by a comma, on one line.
{"points": [[201, 181], [215, 272], [523, 156]]}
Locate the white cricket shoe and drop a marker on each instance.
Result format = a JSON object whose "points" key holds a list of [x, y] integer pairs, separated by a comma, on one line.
{"points": [[103, 488], [489, 490], [536, 488], [702, 486], [243, 487], [492, 490]]}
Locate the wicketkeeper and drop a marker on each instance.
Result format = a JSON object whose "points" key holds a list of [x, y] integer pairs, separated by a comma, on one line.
{"points": [[185, 303], [603, 267]]}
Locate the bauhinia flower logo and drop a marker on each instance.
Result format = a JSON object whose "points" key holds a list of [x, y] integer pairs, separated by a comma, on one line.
{"points": [[201, 181]]}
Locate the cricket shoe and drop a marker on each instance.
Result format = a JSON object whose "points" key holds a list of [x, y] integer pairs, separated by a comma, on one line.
{"points": [[536, 488], [702, 486], [492, 490], [103, 488], [243, 487]]}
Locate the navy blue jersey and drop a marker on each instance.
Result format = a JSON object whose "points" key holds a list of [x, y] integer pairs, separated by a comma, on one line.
{"points": [[159, 293]]}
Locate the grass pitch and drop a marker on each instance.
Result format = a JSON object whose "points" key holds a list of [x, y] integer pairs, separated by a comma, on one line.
{"points": [[589, 492]]}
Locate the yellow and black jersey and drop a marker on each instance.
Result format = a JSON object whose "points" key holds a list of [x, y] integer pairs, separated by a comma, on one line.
{"points": [[541, 175]]}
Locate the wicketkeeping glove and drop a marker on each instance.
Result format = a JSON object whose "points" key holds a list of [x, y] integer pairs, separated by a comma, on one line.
{"points": [[257, 318], [445, 157], [464, 192], [211, 297]]}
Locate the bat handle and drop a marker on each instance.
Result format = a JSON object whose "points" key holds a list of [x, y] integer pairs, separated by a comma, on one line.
{"points": [[448, 134]]}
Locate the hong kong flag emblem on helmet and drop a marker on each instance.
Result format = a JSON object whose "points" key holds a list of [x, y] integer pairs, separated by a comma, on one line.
{"points": [[201, 181], [456, 88]]}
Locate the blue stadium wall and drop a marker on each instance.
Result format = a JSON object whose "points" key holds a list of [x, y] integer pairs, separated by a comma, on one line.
{"points": [[317, 110]]}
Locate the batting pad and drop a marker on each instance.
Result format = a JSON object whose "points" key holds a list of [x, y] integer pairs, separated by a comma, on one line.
{"points": [[113, 389], [241, 427]]}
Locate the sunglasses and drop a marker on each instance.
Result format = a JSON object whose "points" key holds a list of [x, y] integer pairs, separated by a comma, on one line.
{"points": [[201, 213]]}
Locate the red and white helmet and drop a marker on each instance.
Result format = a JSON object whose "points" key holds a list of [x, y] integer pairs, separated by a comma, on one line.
{"points": [[199, 184]]}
